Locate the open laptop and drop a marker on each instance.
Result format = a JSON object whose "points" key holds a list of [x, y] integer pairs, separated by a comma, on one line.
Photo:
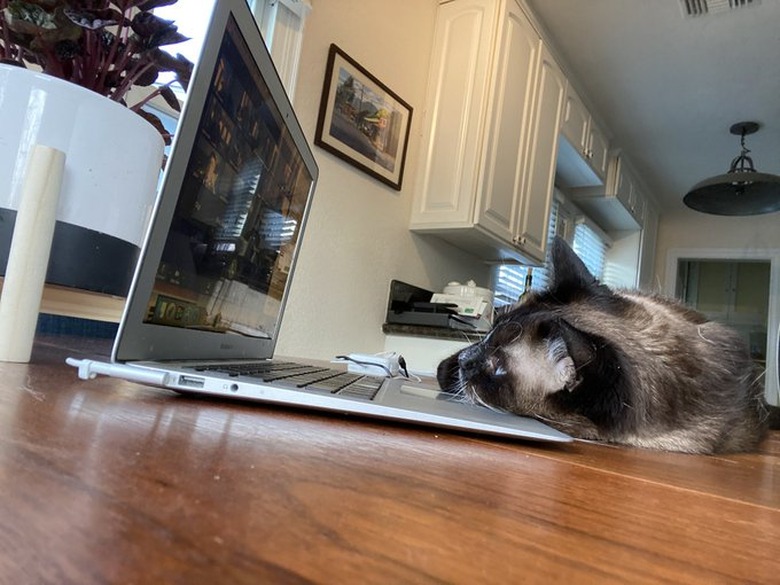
{"points": [[205, 306]]}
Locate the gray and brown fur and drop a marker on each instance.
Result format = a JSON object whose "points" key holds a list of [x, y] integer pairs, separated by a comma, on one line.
{"points": [[616, 366]]}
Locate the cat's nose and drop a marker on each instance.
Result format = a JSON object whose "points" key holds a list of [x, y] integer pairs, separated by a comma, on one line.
{"points": [[471, 361]]}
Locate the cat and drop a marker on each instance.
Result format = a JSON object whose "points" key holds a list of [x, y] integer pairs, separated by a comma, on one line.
{"points": [[616, 366]]}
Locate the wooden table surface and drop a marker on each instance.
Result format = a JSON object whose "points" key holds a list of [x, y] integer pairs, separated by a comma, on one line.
{"points": [[111, 482]]}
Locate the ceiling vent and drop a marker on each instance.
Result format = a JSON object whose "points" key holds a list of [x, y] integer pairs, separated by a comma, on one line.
{"points": [[693, 8]]}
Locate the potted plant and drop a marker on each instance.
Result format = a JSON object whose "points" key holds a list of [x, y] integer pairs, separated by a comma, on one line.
{"points": [[67, 68], [107, 46]]}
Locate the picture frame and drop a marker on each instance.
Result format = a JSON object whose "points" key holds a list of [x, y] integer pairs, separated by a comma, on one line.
{"points": [[362, 121]]}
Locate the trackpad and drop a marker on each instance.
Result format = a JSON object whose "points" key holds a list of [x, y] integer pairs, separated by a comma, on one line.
{"points": [[422, 391]]}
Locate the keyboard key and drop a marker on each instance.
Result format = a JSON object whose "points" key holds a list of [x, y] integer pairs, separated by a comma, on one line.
{"points": [[304, 377]]}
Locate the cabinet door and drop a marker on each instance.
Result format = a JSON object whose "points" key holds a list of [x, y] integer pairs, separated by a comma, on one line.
{"points": [[542, 153], [647, 250], [506, 143], [624, 187], [598, 150], [576, 122], [637, 208], [454, 115]]}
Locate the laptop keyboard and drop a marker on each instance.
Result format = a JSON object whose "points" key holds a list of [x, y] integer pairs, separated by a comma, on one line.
{"points": [[303, 377]]}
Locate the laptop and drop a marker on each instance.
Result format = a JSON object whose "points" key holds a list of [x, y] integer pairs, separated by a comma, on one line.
{"points": [[206, 303]]}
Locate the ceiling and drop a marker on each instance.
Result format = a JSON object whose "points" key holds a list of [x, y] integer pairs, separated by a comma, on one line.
{"points": [[668, 87]]}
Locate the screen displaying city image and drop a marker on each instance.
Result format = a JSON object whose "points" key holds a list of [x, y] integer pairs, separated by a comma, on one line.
{"points": [[229, 250]]}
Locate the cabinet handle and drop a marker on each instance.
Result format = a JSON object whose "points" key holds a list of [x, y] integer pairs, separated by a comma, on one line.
{"points": [[519, 240]]}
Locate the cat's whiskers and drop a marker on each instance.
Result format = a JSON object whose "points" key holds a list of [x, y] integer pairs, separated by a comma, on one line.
{"points": [[592, 358], [460, 391], [698, 331], [585, 363], [519, 334], [470, 337], [759, 377], [479, 401], [467, 394]]}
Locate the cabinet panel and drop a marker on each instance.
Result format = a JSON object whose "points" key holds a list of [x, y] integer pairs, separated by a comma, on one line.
{"points": [[510, 115], [576, 121], [460, 64], [637, 208], [628, 192], [624, 186], [598, 150], [543, 150], [583, 157], [647, 250], [620, 204]]}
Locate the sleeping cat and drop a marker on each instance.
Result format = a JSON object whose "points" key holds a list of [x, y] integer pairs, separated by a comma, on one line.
{"points": [[622, 367]]}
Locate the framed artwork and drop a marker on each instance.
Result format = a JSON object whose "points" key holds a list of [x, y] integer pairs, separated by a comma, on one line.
{"points": [[362, 121]]}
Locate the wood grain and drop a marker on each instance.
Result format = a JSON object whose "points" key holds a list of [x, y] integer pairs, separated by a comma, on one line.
{"points": [[111, 482]]}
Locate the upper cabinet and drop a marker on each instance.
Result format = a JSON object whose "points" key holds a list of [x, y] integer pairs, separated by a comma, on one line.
{"points": [[493, 117], [584, 151], [647, 249], [620, 204]]}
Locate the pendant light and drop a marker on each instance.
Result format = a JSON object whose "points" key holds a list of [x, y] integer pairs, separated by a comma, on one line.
{"points": [[740, 191]]}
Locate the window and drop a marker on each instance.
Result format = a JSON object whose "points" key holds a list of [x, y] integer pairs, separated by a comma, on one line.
{"points": [[512, 280], [280, 21], [591, 246], [191, 23], [587, 241]]}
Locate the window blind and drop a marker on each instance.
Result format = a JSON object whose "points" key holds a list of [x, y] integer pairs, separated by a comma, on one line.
{"points": [[591, 248], [511, 280], [587, 242]]}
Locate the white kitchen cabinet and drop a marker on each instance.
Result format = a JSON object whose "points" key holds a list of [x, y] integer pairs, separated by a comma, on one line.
{"points": [[598, 149], [584, 154], [576, 121], [537, 192], [619, 204], [492, 120], [646, 279], [627, 189]]}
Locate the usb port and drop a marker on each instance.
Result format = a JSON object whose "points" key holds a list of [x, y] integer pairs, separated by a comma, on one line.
{"points": [[191, 381]]}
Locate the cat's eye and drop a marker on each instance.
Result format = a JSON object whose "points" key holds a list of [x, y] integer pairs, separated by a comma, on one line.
{"points": [[495, 366]]}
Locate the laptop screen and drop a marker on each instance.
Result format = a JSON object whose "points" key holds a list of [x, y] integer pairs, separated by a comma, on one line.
{"points": [[227, 257], [216, 265]]}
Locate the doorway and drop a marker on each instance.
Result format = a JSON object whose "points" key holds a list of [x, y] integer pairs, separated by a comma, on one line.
{"points": [[735, 293], [740, 288]]}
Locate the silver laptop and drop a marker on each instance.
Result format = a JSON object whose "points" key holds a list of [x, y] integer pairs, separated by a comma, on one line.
{"points": [[206, 303]]}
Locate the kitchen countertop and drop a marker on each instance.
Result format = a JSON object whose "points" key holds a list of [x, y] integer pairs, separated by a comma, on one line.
{"points": [[428, 331]]}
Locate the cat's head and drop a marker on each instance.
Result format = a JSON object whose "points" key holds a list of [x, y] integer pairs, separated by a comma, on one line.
{"points": [[535, 350]]}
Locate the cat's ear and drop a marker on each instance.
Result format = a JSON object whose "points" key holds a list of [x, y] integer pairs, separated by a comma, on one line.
{"points": [[569, 272]]}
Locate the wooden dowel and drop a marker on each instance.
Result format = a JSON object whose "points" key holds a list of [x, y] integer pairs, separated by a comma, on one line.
{"points": [[28, 257]]}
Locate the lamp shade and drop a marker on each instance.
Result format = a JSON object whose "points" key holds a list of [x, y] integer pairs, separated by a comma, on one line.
{"points": [[742, 190], [736, 193]]}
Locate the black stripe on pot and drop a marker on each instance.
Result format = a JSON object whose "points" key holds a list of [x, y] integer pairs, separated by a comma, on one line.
{"points": [[80, 257]]}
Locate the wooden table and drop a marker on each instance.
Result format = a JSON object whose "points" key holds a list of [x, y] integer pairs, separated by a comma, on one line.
{"points": [[112, 482]]}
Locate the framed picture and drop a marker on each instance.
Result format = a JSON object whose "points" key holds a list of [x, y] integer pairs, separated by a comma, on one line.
{"points": [[362, 121]]}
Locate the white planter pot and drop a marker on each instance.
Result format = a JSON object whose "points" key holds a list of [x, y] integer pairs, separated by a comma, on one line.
{"points": [[112, 167]]}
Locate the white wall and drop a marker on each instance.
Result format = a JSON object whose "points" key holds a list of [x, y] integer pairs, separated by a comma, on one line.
{"points": [[691, 229], [357, 238]]}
